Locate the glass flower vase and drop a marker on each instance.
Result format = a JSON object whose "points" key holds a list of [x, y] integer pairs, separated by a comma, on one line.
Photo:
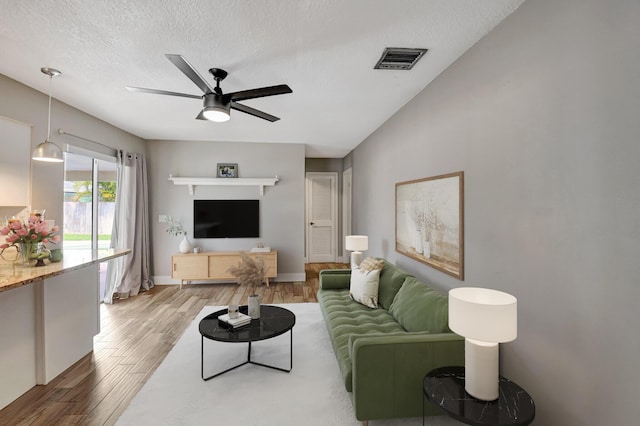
{"points": [[26, 252]]}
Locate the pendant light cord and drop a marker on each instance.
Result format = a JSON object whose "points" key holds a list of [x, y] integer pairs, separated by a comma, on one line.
{"points": [[49, 118]]}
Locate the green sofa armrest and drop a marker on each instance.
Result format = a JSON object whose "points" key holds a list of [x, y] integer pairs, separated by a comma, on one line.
{"points": [[388, 371], [334, 279]]}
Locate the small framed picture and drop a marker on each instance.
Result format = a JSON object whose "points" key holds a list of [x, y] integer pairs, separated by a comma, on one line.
{"points": [[227, 170]]}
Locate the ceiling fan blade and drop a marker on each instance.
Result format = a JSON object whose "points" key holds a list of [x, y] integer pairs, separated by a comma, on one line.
{"points": [[254, 112], [242, 95], [188, 70], [201, 116], [161, 92]]}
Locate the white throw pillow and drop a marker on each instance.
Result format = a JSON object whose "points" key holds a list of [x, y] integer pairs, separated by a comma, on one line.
{"points": [[364, 287]]}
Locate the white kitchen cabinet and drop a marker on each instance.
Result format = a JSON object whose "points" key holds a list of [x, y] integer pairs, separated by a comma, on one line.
{"points": [[15, 163]]}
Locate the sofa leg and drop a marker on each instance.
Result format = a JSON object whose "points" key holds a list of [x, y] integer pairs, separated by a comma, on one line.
{"points": [[365, 423]]}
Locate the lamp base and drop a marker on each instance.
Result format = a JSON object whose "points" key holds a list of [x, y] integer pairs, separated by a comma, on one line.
{"points": [[356, 258], [481, 361]]}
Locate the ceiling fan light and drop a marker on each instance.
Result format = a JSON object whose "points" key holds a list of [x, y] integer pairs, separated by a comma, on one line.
{"points": [[218, 114], [48, 151]]}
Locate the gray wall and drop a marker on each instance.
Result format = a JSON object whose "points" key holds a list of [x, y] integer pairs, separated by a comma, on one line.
{"points": [[27, 105], [543, 117], [281, 207]]}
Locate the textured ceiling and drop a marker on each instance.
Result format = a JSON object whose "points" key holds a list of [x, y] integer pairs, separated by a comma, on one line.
{"points": [[324, 50]]}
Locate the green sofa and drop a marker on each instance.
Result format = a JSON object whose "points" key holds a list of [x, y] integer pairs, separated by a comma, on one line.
{"points": [[385, 353]]}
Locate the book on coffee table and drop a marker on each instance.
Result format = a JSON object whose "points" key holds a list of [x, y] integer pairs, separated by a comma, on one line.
{"points": [[241, 320]]}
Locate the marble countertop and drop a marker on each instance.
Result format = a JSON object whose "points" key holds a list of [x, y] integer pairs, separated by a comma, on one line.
{"points": [[14, 274]]}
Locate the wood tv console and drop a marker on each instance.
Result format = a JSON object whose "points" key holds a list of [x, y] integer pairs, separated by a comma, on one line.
{"points": [[214, 265]]}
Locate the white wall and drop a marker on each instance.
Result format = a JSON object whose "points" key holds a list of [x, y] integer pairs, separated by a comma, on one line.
{"points": [[543, 116], [281, 207]]}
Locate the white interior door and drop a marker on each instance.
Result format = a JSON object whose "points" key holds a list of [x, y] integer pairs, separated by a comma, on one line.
{"points": [[322, 214]]}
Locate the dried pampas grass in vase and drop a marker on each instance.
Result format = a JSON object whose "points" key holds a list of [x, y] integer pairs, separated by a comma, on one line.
{"points": [[250, 272]]}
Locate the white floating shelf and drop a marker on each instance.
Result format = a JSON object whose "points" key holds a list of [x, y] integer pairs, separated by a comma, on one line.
{"points": [[191, 182]]}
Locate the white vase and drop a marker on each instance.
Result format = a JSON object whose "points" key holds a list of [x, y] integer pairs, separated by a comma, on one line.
{"points": [[254, 306], [185, 245], [426, 249], [417, 244]]}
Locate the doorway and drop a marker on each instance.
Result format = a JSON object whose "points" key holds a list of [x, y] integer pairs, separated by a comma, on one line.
{"points": [[89, 205], [322, 216]]}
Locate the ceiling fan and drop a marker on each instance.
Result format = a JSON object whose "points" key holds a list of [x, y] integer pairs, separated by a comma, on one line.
{"points": [[217, 105]]}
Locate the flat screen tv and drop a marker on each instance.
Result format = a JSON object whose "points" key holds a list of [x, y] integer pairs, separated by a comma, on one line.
{"points": [[226, 219]]}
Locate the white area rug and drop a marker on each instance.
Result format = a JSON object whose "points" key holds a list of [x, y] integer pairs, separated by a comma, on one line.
{"points": [[311, 394]]}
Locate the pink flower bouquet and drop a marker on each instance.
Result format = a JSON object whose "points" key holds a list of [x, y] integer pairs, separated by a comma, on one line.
{"points": [[33, 231]]}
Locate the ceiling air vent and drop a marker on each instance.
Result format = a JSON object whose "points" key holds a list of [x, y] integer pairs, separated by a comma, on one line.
{"points": [[399, 58]]}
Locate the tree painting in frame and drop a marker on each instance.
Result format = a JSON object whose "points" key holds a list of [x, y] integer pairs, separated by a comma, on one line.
{"points": [[227, 170], [429, 222]]}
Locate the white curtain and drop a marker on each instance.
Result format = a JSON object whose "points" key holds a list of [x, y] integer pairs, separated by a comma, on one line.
{"points": [[128, 275]]}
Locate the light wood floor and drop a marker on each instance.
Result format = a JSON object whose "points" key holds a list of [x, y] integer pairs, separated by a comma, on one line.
{"points": [[136, 334]]}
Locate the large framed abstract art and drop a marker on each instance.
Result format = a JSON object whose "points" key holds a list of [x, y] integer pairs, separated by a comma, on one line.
{"points": [[430, 222]]}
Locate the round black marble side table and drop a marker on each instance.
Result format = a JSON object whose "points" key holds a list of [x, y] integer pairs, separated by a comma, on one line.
{"points": [[444, 387]]}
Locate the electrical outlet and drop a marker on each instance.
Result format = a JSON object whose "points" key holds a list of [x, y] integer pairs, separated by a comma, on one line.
{"points": [[163, 218]]}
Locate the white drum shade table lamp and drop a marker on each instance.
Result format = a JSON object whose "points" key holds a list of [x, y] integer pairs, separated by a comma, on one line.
{"points": [[485, 318], [356, 244]]}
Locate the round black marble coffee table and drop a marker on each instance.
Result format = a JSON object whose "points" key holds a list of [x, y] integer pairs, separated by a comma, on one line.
{"points": [[444, 387], [273, 322]]}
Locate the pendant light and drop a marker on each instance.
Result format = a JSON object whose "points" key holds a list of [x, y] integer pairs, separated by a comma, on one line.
{"points": [[47, 150]]}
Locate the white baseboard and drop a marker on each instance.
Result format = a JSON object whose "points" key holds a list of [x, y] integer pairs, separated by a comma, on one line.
{"points": [[289, 277], [164, 280]]}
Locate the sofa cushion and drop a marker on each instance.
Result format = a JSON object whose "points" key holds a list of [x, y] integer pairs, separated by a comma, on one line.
{"points": [[418, 307], [334, 279], [345, 318], [391, 279], [371, 264], [364, 287]]}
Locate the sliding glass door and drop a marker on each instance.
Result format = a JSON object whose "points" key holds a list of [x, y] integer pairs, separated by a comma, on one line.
{"points": [[89, 204]]}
